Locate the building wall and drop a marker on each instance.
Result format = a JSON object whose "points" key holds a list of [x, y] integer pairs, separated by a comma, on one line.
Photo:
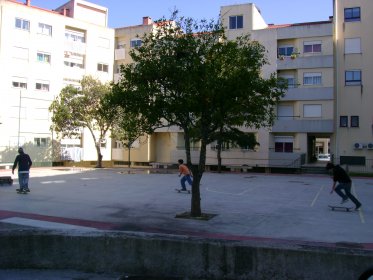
{"points": [[354, 100], [33, 57]]}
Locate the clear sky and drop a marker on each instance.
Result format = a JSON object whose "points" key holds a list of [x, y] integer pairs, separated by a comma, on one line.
{"points": [[130, 12]]}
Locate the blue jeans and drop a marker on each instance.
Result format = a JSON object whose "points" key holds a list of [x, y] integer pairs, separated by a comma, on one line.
{"points": [[347, 189], [23, 180], [187, 178]]}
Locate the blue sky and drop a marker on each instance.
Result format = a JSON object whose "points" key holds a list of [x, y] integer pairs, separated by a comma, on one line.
{"points": [[131, 12]]}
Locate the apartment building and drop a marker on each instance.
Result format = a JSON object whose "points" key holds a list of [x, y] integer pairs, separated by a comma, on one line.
{"points": [[300, 53], [353, 44], [42, 51]]}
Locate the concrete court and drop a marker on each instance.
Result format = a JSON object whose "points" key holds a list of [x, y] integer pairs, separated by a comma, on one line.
{"points": [[248, 206]]}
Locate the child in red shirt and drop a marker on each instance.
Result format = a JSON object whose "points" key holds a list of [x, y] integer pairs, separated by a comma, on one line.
{"points": [[184, 170]]}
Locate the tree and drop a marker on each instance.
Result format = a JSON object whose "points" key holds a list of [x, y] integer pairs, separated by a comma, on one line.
{"points": [[127, 129], [187, 74], [74, 109], [233, 136]]}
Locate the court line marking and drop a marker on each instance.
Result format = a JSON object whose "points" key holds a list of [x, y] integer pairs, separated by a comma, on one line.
{"points": [[361, 214], [317, 196], [238, 194]]}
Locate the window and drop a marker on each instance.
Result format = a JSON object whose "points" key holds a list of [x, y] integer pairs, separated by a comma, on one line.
{"points": [[290, 81], [18, 82], [285, 112], [40, 142], [102, 67], [42, 85], [285, 50], [74, 60], [312, 79], [45, 29], [136, 43], [353, 77], [343, 121], [284, 144], [20, 53], [44, 57], [235, 22], [352, 45], [75, 36], [352, 14], [312, 47], [22, 24], [354, 121], [312, 111], [121, 44]]}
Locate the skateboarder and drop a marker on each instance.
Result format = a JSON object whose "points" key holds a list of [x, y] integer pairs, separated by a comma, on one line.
{"points": [[24, 163], [344, 183], [184, 170]]}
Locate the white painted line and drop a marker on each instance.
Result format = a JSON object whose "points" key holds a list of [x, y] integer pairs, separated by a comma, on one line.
{"points": [[53, 182], [42, 224], [317, 196], [361, 214]]}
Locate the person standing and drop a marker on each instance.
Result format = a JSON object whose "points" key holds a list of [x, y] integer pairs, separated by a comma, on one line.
{"points": [[184, 170], [344, 183], [23, 161]]}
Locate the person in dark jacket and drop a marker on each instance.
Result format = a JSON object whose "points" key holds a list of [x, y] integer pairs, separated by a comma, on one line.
{"points": [[344, 183], [23, 161]]}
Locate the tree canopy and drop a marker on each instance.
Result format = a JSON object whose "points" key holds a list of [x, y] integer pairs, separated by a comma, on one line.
{"points": [[186, 73], [85, 107]]}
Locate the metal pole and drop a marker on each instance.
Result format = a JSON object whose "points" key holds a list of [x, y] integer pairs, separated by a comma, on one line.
{"points": [[19, 115]]}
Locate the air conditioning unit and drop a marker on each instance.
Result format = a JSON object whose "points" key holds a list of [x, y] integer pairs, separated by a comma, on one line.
{"points": [[358, 146], [370, 146]]}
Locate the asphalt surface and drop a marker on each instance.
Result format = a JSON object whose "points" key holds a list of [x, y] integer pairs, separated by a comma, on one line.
{"points": [[243, 206]]}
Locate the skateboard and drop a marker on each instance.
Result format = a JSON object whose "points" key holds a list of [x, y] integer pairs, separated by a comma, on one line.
{"points": [[181, 191], [340, 208], [6, 180], [21, 192]]}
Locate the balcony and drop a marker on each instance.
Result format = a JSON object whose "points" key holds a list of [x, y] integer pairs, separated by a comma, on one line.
{"points": [[321, 61], [299, 126], [120, 54], [303, 93], [75, 47]]}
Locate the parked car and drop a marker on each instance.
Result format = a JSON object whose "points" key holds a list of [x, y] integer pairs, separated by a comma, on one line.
{"points": [[323, 157]]}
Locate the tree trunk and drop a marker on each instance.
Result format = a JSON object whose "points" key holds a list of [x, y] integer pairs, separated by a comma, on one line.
{"points": [[219, 156], [187, 147], [129, 157], [99, 155], [197, 176]]}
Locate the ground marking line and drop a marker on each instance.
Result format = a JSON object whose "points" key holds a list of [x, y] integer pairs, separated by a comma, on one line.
{"points": [[317, 196], [241, 193], [362, 219]]}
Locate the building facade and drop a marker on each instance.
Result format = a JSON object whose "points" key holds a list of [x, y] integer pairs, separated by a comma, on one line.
{"points": [[353, 44], [46, 51], [325, 111]]}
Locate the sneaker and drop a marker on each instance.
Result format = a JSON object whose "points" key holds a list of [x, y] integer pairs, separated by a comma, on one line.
{"points": [[27, 189], [358, 207], [344, 200]]}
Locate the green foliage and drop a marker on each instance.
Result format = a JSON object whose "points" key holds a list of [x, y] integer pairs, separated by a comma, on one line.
{"points": [[74, 109], [187, 74]]}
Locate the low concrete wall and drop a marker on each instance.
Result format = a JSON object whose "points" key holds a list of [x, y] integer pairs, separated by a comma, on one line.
{"points": [[167, 255]]}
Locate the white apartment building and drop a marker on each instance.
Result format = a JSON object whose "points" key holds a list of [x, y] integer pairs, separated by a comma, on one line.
{"points": [[42, 51]]}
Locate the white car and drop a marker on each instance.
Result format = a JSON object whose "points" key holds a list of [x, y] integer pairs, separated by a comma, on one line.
{"points": [[323, 157]]}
